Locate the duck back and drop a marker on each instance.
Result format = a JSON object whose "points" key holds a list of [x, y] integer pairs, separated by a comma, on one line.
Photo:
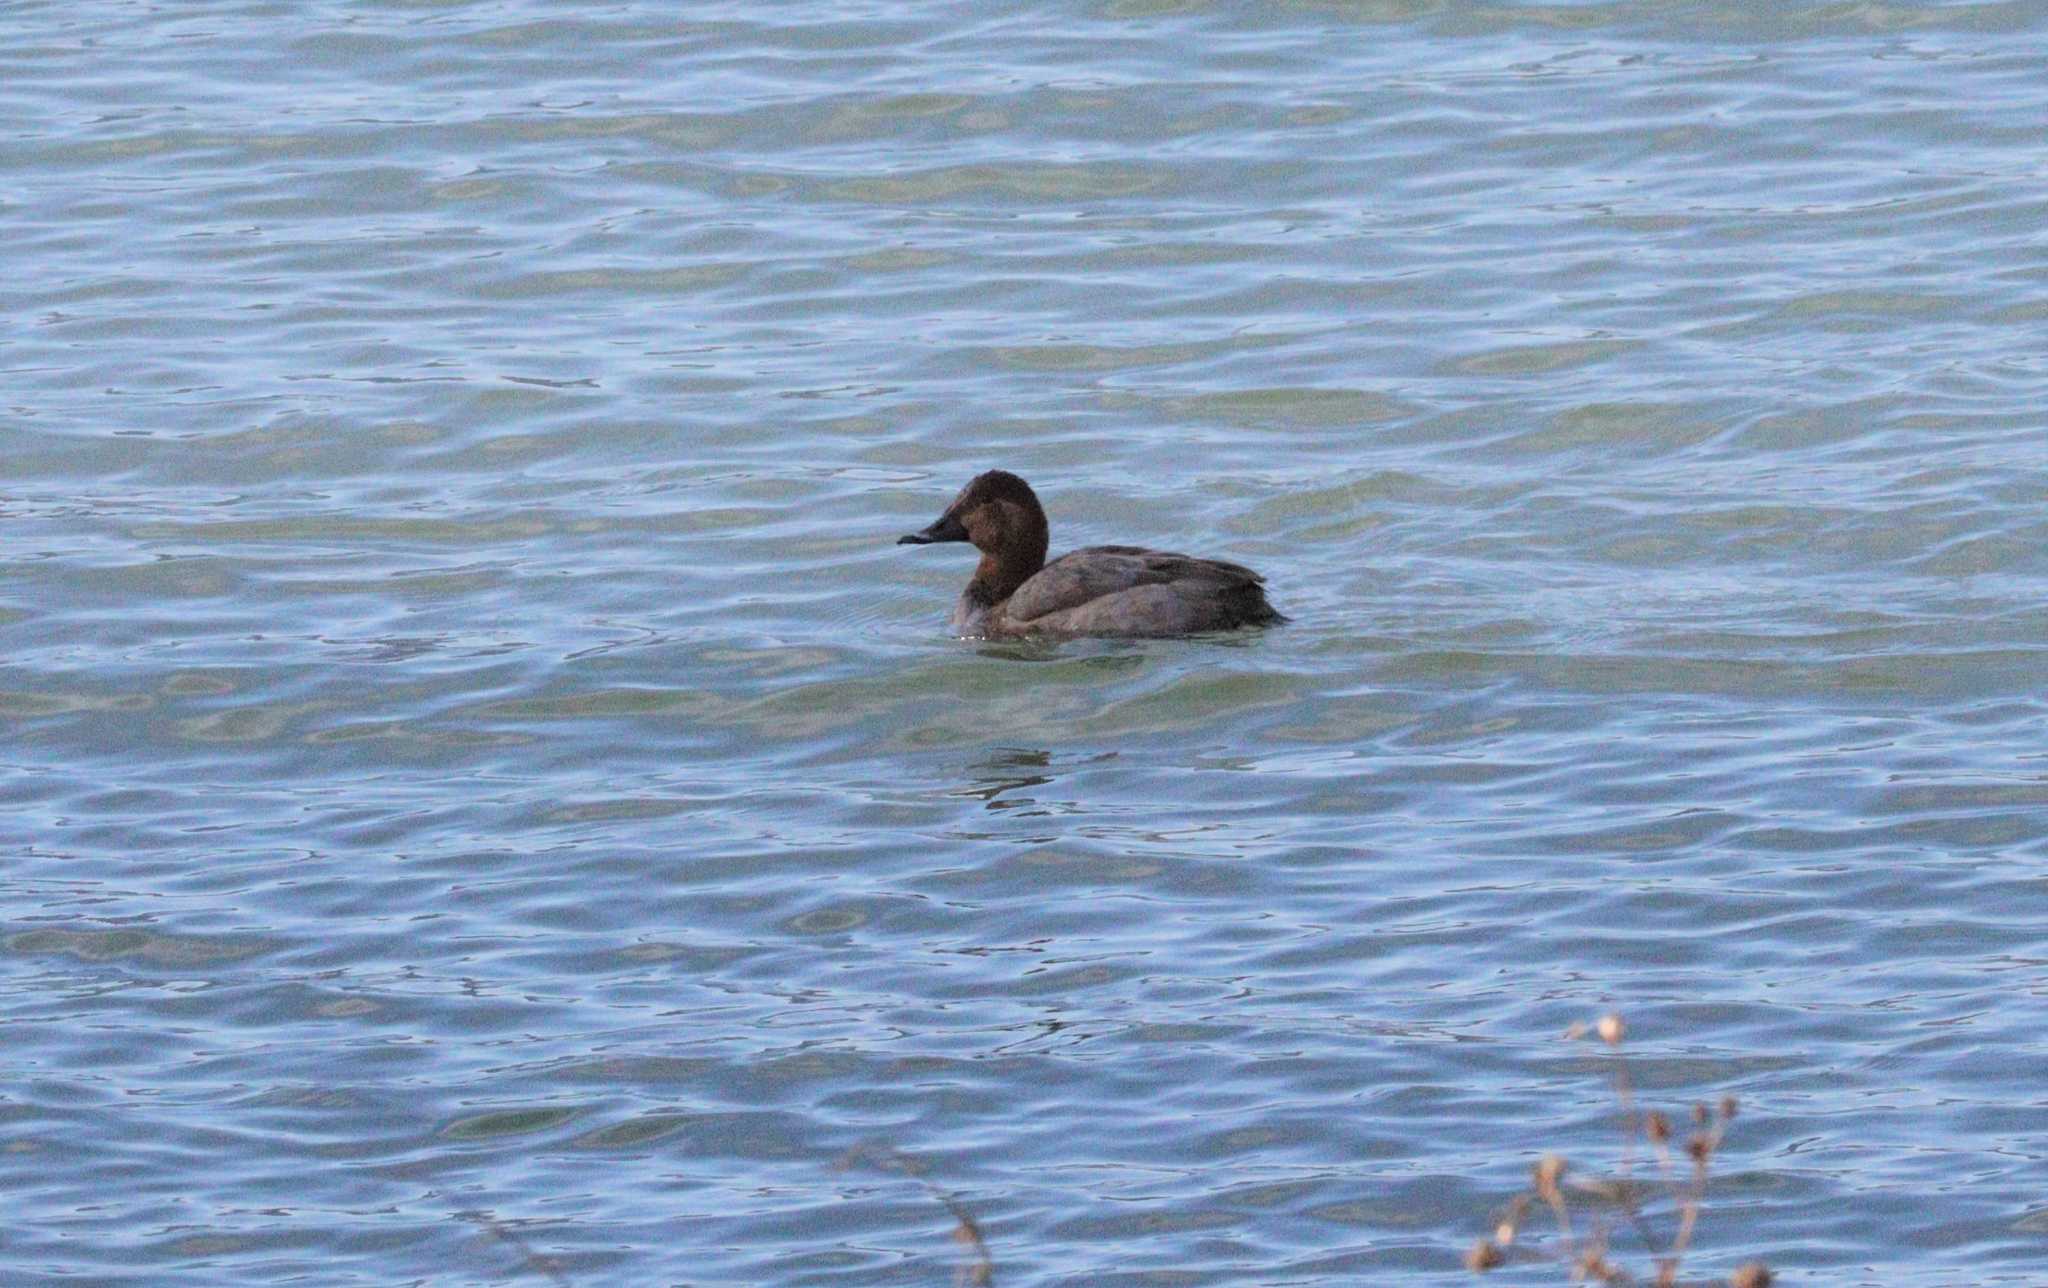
{"points": [[1132, 591]]}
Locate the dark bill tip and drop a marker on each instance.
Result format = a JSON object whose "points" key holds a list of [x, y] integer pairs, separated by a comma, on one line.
{"points": [[946, 528]]}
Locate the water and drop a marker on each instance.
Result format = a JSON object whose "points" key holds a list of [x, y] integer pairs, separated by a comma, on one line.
{"points": [[485, 800]]}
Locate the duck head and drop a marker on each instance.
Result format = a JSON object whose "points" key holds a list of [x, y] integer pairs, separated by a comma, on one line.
{"points": [[1000, 514]]}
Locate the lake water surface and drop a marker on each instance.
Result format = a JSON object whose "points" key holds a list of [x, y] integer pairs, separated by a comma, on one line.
{"points": [[484, 800]]}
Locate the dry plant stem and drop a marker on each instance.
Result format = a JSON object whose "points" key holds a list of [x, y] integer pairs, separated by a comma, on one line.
{"points": [[1625, 1094], [1659, 1133], [1689, 1215], [981, 1272], [1548, 1172], [1631, 1124], [538, 1262], [1510, 1223], [1704, 1146]]}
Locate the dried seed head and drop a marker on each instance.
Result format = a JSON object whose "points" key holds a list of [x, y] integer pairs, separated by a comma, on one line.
{"points": [[1657, 1127], [1484, 1256], [1728, 1109], [1505, 1230], [1700, 1148], [1699, 1114], [1754, 1274], [1611, 1029]]}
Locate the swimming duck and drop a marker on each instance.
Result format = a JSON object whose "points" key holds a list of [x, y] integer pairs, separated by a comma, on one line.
{"points": [[1099, 590]]}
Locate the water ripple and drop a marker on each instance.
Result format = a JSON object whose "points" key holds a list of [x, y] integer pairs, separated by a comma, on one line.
{"points": [[468, 718]]}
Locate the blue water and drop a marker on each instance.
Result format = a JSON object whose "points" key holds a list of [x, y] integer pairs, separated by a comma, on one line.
{"points": [[485, 801]]}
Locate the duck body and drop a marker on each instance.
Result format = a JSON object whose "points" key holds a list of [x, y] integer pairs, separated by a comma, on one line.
{"points": [[1098, 590], [1122, 590]]}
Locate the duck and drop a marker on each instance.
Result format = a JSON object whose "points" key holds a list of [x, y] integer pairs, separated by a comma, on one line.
{"points": [[1126, 591]]}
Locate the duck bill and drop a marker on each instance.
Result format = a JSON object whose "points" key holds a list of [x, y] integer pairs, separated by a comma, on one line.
{"points": [[946, 528]]}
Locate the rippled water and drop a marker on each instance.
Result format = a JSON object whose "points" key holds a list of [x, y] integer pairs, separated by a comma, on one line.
{"points": [[486, 801]]}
